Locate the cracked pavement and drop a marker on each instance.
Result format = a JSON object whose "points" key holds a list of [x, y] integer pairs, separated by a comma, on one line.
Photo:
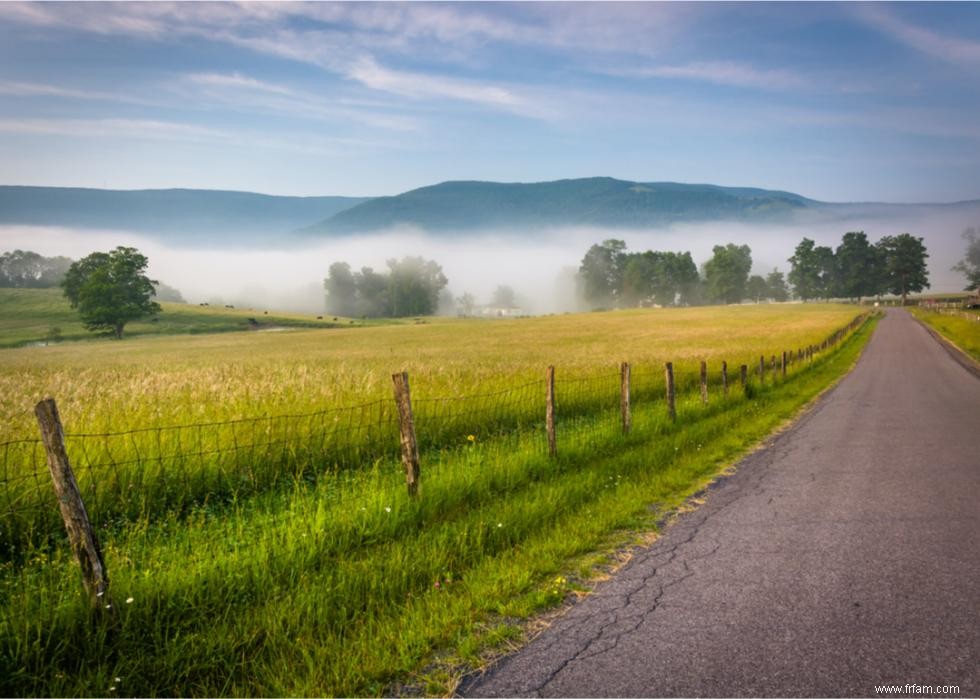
{"points": [[844, 555]]}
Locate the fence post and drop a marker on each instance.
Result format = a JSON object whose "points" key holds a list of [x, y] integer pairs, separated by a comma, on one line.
{"points": [[84, 545], [743, 375], [784, 364], [406, 430], [724, 378], [671, 405], [704, 382], [762, 369], [549, 415], [624, 396]]}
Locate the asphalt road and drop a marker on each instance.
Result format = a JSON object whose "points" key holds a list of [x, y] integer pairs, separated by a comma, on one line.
{"points": [[844, 555]]}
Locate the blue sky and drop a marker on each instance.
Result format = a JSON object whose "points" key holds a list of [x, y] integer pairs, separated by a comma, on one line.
{"points": [[840, 102]]}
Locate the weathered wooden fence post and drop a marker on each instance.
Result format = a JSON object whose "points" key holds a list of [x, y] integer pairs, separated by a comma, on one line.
{"points": [[743, 375], [783, 368], [81, 536], [406, 430], [762, 369], [624, 396], [671, 396], [549, 415], [704, 382], [724, 378]]}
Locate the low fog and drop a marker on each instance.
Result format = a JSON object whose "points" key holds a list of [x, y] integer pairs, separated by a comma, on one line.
{"points": [[537, 265]]}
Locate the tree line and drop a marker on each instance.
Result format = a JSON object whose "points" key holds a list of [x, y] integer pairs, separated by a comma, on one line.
{"points": [[410, 287], [610, 276], [109, 289], [857, 268], [24, 269]]}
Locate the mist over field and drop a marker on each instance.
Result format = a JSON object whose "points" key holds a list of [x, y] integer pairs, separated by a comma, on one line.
{"points": [[537, 264]]}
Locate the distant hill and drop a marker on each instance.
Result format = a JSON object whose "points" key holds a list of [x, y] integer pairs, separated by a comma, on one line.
{"points": [[213, 217], [171, 213], [595, 201]]}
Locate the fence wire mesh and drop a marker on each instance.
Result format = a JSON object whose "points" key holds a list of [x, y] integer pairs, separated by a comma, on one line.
{"points": [[153, 474]]}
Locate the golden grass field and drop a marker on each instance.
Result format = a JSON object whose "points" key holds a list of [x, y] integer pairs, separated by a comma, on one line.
{"points": [[284, 557], [112, 385]]}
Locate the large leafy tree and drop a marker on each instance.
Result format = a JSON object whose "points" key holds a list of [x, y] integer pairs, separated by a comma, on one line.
{"points": [[341, 289], [970, 264], [373, 300], [827, 263], [677, 279], [640, 276], [856, 266], [805, 268], [904, 267], [110, 289], [414, 284], [776, 282], [756, 288], [602, 271], [727, 272]]}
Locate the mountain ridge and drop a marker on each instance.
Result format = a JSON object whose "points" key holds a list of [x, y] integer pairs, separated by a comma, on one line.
{"points": [[599, 201], [176, 212], [196, 216]]}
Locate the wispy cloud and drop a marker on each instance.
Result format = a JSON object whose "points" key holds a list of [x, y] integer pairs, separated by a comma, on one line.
{"points": [[237, 80], [169, 131], [346, 39], [114, 128], [411, 84], [947, 48], [723, 73], [244, 93], [40, 89], [25, 89]]}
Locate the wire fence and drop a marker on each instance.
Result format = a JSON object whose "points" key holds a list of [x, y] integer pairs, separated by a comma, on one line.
{"points": [[155, 473], [972, 315]]}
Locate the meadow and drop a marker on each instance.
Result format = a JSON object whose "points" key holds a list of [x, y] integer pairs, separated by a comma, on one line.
{"points": [[42, 316], [960, 327], [252, 553]]}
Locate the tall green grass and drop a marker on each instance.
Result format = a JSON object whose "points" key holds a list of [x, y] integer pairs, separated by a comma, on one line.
{"points": [[962, 328], [343, 585]]}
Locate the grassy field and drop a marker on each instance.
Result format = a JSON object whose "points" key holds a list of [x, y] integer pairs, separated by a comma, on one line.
{"points": [[962, 328], [35, 316], [284, 557]]}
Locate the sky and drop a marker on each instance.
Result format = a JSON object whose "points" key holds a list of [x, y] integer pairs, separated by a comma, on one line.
{"points": [[838, 102]]}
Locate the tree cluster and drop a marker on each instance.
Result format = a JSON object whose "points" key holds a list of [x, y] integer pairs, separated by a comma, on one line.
{"points": [[771, 287], [726, 274], [612, 277], [24, 269], [410, 287], [858, 268]]}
